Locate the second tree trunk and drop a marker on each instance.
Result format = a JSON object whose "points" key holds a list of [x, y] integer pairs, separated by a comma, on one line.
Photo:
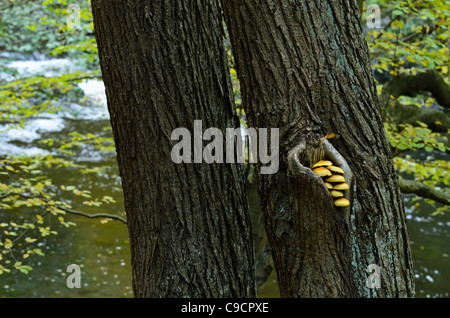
{"points": [[304, 68]]}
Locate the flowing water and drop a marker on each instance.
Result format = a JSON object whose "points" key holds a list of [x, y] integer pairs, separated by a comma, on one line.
{"points": [[102, 250]]}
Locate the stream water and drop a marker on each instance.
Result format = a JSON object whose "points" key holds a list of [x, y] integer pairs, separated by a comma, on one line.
{"points": [[102, 250]]}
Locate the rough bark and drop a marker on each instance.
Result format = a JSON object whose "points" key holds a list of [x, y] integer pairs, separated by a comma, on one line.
{"points": [[164, 66], [263, 258], [304, 68]]}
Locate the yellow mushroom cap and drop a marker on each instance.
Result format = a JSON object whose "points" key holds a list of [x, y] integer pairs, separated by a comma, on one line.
{"points": [[328, 185], [336, 169], [342, 202], [323, 172], [322, 163], [341, 186], [336, 194], [335, 178]]}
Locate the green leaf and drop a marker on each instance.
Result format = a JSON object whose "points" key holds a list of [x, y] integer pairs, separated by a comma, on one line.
{"points": [[402, 146], [441, 147], [38, 251], [422, 124], [30, 240], [8, 244], [10, 168]]}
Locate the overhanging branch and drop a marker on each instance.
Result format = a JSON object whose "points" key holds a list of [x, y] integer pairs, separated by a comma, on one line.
{"points": [[424, 191], [97, 215], [411, 85]]}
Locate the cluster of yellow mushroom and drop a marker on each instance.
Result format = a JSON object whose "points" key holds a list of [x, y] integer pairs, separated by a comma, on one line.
{"points": [[334, 181]]}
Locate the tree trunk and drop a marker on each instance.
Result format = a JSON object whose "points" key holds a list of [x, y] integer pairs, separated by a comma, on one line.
{"points": [[164, 66], [304, 68]]}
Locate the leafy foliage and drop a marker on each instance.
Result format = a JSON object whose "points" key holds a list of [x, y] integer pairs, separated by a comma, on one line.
{"points": [[26, 192], [414, 38], [30, 26], [408, 137]]}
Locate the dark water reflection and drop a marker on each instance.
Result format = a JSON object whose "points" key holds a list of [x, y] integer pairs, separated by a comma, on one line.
{"points": [[101, 251], [430, 237]]}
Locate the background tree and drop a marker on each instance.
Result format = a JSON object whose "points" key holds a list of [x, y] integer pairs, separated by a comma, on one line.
{"points": [[164, 66], [304, 67]]}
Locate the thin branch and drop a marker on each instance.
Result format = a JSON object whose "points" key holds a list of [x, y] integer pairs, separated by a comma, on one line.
{"points": [[410, 36], [29, 229], [97, 215], [70, 211], [387, 26], [3, 196]]}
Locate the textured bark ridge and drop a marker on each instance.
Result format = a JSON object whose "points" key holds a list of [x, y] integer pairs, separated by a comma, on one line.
{"points": [[164, 66], [304, 68]]}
